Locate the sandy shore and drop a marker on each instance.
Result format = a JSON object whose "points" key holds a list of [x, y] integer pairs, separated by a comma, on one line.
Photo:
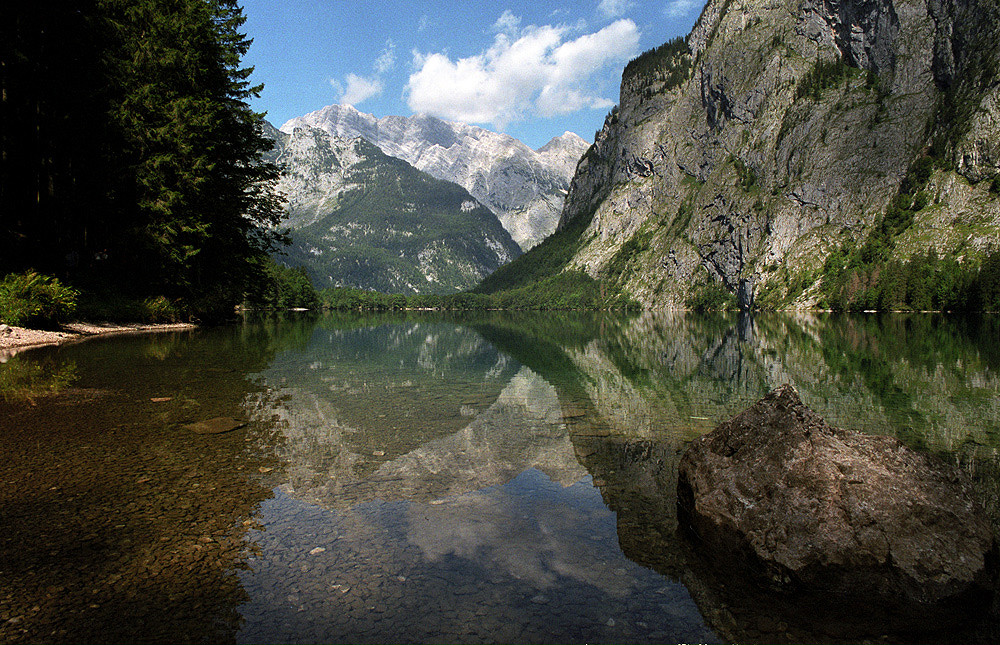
{"points": [[17, 339]]}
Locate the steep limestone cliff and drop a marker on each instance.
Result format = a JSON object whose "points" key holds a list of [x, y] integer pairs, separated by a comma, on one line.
{"points": [[781, 129]]}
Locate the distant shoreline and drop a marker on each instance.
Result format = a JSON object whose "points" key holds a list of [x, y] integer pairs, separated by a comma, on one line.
{"points": [[18, 339]]}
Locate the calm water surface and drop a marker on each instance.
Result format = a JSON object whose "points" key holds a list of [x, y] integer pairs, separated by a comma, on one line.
{"points": [[430, 478]]}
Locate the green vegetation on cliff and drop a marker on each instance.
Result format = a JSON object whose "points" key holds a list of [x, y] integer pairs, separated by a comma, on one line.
{"points": [[541, 278], [824, 75], [711, 297], [670, 63], [543, 261], [859, 280]]}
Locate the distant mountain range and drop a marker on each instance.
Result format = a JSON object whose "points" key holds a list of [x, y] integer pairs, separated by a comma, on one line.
{"points": [[362, 218], [525, 188], [414, 205]]}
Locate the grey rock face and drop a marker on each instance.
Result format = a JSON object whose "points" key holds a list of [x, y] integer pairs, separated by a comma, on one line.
{"points": [[524, 187], [809, 507], [361, 218], [865, 31], [967, 64], [318, 170], [736, 174]]}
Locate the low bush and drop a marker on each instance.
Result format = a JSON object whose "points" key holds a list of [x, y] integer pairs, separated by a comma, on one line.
{"points": [[105, 306], [161, 309], [711, 297], [31, 299]]}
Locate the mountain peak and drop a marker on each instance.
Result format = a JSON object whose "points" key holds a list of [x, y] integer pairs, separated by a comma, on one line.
{"points": [[523, 187], [362, 218], [565, 141]]}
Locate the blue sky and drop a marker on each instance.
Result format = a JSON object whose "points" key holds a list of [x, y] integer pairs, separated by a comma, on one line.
{"points": [[530, 69]]}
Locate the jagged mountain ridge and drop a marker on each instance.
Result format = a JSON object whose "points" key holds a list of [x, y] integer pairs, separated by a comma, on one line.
{"points": [[734, 160], [361, 218], [524, 187]]}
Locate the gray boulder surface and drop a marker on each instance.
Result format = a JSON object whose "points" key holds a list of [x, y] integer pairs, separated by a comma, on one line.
{"points": [[802, 508]]}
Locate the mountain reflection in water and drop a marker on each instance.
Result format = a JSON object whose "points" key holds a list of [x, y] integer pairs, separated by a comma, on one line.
{"points": [[427, 478]]}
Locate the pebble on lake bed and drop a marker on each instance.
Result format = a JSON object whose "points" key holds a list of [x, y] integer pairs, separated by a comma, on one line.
{"points": [[218, 425]]}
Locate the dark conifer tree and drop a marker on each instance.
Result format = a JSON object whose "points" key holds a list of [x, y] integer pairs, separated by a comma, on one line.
{"points": [[52, 128], [130, 157], [205, 212]]}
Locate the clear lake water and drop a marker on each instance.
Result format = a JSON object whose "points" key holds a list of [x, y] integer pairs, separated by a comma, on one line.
{"points": [[433, 478]]}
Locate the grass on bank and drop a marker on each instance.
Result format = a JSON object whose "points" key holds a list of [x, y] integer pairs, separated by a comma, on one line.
{"points": [[567, 290], [31, 299]]}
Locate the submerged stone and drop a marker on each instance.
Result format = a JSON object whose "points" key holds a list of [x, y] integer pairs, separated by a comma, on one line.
{"points": [[218, 425], [800, 507]]}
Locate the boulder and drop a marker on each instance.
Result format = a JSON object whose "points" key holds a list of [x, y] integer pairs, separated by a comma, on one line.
{"points": [[800, 507]]}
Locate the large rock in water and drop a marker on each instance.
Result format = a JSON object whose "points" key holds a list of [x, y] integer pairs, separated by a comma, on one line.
{"points": [[803, 507]]}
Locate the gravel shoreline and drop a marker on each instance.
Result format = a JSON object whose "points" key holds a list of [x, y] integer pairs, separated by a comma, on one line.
{"points": [[18, 339]]}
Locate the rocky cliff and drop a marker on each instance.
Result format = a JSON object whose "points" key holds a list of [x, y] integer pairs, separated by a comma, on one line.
{"points": [[778, 131], [524, 187], [361, 218]]}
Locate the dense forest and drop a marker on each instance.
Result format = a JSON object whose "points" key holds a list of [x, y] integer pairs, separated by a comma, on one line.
{"points": [[130, 161]]}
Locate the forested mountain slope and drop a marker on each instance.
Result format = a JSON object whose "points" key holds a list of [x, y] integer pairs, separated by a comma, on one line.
{"points": [[361, 218]]}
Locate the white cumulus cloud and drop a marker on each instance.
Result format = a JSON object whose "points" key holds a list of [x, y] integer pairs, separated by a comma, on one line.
{"points": [[358, 90], [534, 71], [507, 23]]}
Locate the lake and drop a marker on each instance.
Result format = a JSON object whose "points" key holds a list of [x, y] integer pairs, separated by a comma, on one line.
{"points": [[424, 477]]}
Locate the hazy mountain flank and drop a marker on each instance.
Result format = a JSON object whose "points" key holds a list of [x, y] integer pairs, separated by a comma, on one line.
{"points": [[361, 218]]}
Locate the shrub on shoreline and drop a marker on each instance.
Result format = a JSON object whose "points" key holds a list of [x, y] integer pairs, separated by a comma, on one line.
{"points": [[111, 307], [31, 299]]}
